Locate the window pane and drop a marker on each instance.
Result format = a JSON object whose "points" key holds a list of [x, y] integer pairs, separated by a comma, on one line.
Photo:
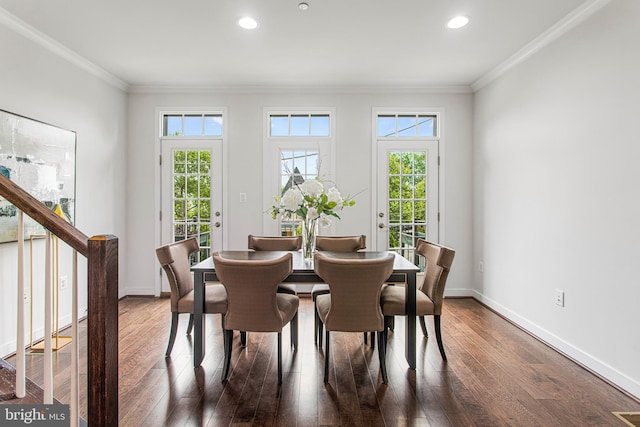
{"points": [[407, 187], [178, 186], [394, 237], [205, 186], [300, 125], [420, 162], [279, 125], [420, 191], [386, 126], [172, 125], [406, 125], [193, 125], [320, 125], [213, 125], [178, 210], [426, 125]]}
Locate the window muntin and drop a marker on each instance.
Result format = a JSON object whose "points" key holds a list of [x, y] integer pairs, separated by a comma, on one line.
{"points": [[299, 125], [192, 124], [407, 126]]}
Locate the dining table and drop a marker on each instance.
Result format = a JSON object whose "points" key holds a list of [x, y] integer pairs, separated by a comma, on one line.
{"points": [[404, 272]]}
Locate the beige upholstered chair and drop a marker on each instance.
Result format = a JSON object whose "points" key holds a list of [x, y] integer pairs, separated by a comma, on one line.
{"points": [[430, 293], [253, 303], [174, 259], [333, 244], [277, 243], [353, 305]]}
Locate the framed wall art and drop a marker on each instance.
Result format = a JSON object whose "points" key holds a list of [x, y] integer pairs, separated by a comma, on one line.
{"points": [[41, 158]]}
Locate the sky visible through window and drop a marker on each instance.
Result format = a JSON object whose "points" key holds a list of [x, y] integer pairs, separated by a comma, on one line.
{"points": [[300, 125], [403, 126], [192, 125]]}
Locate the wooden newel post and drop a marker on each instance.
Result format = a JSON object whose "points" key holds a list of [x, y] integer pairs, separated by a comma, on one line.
{"points": [[102, 342]]}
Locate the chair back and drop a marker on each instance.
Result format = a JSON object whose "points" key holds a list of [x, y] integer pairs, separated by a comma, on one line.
{"points": [[341, 243], [174, 259], [438, 263], [251, 291], [355, 286], [275, 243]]}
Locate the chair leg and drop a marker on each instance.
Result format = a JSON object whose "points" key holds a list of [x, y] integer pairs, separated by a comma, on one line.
{"points": [[190, 325], [382, 354], [172, 334], [365, 337], [423, 326], [436, 323], [373, 341], [320, 333], [327, 355], [228, 347], [294, 331], [243, 338], [279, 357], [392, 323], [387, 323]]}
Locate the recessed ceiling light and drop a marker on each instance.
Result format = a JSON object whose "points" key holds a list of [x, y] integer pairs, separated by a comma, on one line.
{"points": [[458, 22], [303, 6], [248, 23]]}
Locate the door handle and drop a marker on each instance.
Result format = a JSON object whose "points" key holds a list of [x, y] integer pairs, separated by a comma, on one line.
{"points": [[217, 225], [381, 225]]}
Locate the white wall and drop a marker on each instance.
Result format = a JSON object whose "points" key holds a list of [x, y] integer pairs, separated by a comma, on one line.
{"points": [[38, 84], [556, 196], [244, 172]]}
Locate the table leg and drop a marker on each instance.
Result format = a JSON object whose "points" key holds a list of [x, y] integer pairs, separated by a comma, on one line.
{"points": [[198, 318], [410, 327]]}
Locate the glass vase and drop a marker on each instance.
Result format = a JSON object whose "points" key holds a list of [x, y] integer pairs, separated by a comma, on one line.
{"points": [[308, 238]]}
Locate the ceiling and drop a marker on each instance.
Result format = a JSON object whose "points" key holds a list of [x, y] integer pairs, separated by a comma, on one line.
{"points": [[361, 43]]}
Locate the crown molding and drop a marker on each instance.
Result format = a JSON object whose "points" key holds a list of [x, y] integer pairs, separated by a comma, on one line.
{"points": [[266, 89], [19, 26], [561, 27]]}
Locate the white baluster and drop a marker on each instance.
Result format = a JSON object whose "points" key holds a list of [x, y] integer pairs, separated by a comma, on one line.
{"points": [[20, 363], [75, 396], [48, 329]]}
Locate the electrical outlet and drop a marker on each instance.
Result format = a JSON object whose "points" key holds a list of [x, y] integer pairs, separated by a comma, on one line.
{"points": [[63, 282], [481, 267], [243, 197], [559, 298]]}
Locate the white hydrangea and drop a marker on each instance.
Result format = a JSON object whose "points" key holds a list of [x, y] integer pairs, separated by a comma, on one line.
{"points": [[334, 196], [312, 187], [292, 199]]}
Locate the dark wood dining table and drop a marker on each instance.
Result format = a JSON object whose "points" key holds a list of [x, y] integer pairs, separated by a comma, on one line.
{"points": [[404, 272]]}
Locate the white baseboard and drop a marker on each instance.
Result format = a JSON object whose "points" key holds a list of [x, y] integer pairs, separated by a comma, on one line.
{"points": [[588, 361]]}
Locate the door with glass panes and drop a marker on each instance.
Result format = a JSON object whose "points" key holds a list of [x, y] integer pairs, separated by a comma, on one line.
{"points": [[407, 195], [192, 194]]}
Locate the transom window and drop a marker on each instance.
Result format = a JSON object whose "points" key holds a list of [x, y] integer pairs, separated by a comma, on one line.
{"points": [[407, 125], [192, 124], [299, 125]]}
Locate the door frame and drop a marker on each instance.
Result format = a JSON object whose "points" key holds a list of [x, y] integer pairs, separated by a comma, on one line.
{"points": [[159, 113], [440, 112]]}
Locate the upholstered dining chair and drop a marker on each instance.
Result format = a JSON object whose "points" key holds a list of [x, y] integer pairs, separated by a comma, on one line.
{"points": [[430, 293], [174, 259], [353, 303], [254, 305], [333, 244], [277, 243]]}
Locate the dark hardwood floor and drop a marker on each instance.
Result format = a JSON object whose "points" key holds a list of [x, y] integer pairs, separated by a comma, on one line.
{"points": [[497, 375]]}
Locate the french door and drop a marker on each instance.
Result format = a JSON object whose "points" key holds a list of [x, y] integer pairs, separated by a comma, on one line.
{"points": [[191, 173], [407, 195]]}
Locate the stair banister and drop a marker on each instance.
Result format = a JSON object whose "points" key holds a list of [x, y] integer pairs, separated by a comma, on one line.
{"points": [[102, 313]]}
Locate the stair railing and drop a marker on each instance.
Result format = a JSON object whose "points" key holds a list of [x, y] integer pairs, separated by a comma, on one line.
{"points": [[102, 312]]}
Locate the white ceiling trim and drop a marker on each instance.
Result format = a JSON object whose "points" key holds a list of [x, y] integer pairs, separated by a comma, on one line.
{"points": [[300, 89], [19, 26], [561, 27]]}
